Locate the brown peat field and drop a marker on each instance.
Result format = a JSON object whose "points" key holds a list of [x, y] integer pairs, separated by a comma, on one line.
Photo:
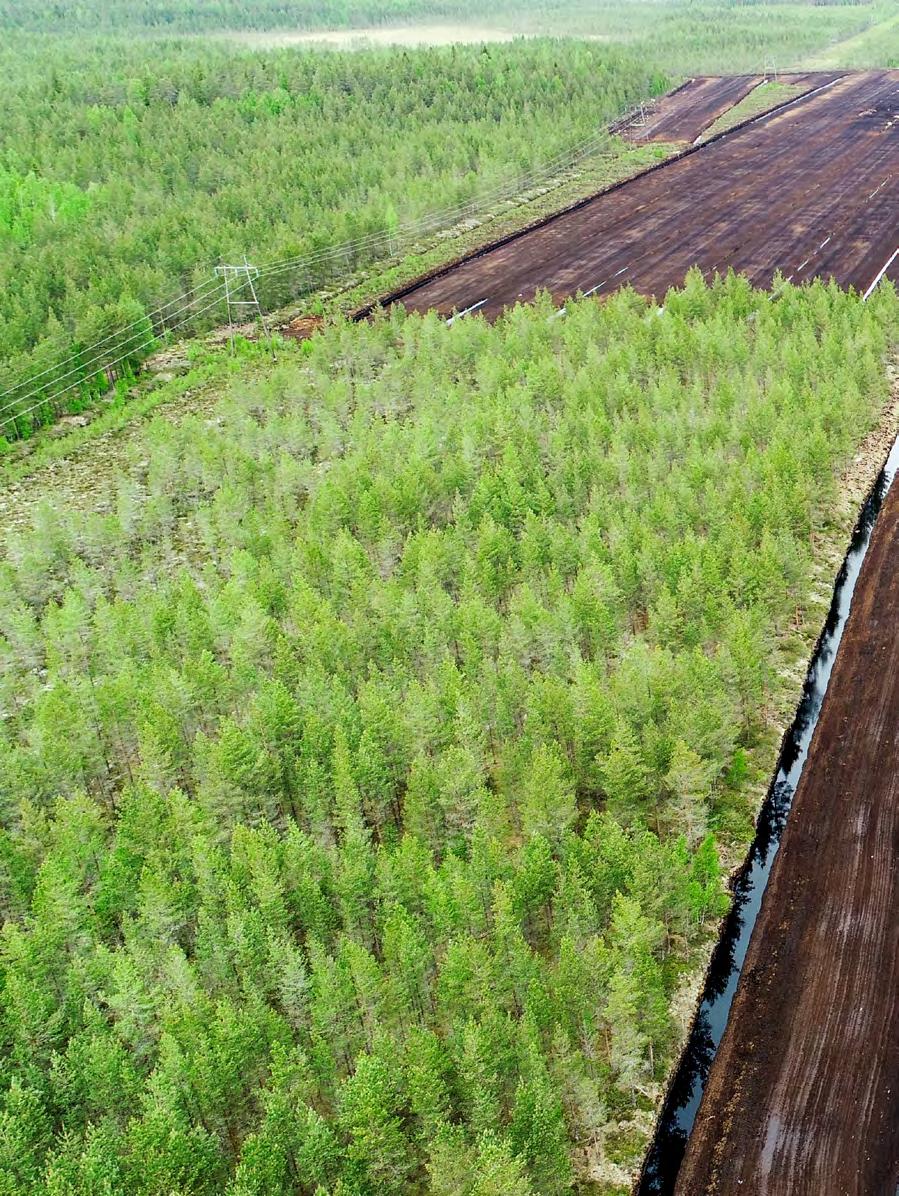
{"points": [[803, 1095], [808, 189]]}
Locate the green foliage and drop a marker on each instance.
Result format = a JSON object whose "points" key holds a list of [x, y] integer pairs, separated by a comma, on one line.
{"points": [[709, 35], [359, 763], [129, 167], [27, 202], [128, 170]]}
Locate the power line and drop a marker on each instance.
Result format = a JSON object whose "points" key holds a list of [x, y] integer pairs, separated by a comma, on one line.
{"points": [[52, 398], [113, 335], [98, 362], [84, 366], [435, 219], [43, 402], [510, 186]]}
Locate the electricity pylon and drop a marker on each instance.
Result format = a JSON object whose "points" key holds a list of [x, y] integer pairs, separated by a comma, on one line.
{"points": [[237, 278]]}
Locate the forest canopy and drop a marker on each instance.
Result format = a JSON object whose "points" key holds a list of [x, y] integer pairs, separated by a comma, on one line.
{"points": [[131, 167], [680, 37], [409, 696], [612, 17], [127, 172]]}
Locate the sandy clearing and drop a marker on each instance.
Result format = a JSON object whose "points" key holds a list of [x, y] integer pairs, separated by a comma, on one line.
{"points": [[384, 35]]}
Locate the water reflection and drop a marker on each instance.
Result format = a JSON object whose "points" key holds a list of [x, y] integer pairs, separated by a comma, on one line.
{"points": [[667, 1151]]}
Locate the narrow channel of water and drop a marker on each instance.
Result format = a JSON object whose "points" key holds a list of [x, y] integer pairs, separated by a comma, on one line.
{"points": [[667, 1151]]}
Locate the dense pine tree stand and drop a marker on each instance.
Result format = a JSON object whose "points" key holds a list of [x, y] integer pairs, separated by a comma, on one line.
{"points": [[130, 169], [364, 767]]}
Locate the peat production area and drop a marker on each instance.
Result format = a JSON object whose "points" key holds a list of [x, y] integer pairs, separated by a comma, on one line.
{"points": [[803, 1095], [789, 986], [788, 1083], [809, 189]]}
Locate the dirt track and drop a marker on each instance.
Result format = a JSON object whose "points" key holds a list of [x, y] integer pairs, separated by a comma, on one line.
{"points": [[810, 189], [803, 1096], [685, 113]]}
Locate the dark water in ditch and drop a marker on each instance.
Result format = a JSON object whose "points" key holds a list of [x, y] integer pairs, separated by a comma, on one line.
{"points": [[667, 1151]]}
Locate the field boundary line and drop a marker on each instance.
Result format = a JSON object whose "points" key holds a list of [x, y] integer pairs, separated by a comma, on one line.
{"points": [[883, 269], [432, 275]]}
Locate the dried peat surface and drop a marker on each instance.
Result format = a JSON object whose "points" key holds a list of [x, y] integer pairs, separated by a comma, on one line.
{"points": [[810, 189], [687, 112], [683, 114], [803, 1094]]}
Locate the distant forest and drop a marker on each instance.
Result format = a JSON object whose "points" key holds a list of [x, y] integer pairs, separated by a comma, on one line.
{"points": [[672, 25], [127, 172], [223, 14]]}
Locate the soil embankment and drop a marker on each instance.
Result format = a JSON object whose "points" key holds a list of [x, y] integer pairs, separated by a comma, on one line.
{"points": [[685, 113], [681, 115], [803, 1096]]}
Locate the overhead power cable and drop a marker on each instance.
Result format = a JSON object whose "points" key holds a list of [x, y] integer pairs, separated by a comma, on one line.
{"points": [[444, 216], [151, 315], [51, 398], [84, 369], [182, 309]]}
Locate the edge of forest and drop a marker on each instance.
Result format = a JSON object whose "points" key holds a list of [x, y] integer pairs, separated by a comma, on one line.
{"points": [[855, 486], [49, 444], [363, 294]]}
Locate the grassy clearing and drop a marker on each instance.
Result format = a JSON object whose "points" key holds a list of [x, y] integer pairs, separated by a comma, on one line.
{"points": [[381, 35], [74, 468], [872, 47]]}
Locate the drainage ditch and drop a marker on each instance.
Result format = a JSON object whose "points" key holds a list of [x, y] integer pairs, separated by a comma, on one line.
{"points": [[660, 1169]]}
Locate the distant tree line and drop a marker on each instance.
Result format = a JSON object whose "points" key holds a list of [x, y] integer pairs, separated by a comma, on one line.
{"points": [[128, 171], [794, 25]]}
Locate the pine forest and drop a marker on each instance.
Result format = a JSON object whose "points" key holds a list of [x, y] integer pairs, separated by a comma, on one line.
{"points": [[409, 699], [389, 696]]}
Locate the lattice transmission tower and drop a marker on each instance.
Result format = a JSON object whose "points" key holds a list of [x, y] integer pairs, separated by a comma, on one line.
{"points": [[237, 280]]}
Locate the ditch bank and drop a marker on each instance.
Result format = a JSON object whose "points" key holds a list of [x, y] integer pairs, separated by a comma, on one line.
{"points": [[760, 1100]]}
